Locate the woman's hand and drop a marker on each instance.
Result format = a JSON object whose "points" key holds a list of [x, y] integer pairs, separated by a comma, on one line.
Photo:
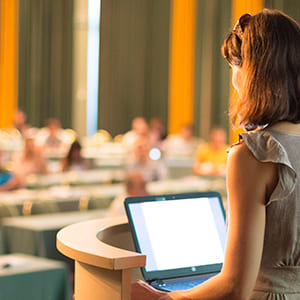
{"points": [[142, 291]]}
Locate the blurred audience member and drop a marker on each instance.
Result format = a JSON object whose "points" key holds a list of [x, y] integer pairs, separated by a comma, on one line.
{"points": [[183, 144], [211, 157], [135, 185], [74, 160], [8, 180], [29, 160], [20, 122], [139, 127], [52, 137], [144, 160], [157, 133]]}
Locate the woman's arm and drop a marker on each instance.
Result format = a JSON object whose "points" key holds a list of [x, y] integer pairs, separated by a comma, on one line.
{"points": [[249, 183]]}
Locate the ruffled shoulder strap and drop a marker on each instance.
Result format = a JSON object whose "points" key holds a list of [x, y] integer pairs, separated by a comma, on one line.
{"points": [[266, 148]]}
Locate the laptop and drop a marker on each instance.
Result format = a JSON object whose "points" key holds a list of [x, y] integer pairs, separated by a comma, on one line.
{"points": [[182, 235]]}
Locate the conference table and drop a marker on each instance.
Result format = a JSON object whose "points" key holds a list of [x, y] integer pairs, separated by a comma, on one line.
{"points": [[108, 170], [75, 178], [63, 198], [24, 277], [111, 156], [35, 235]]}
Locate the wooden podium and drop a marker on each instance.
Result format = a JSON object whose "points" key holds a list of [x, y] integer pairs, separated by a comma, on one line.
{"points": [[104, 257]]}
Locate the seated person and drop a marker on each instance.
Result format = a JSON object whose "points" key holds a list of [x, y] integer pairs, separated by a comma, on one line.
{"points": [[139, 127], [135, 185], [183, 144], [153, 169], [19, 129], [52, 137], [157, 133], [20, 122], [74, 160], [8, 180], [29, 160], [211, 157]]}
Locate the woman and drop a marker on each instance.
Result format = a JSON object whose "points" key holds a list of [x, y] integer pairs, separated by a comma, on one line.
{"points": [[74, 160], [262, 258]]}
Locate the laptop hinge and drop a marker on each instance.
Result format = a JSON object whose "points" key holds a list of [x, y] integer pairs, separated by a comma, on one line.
{"points": [[159, 282]]}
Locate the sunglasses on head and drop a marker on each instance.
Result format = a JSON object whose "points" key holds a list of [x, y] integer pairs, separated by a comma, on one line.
{"points": [[240, 25]]}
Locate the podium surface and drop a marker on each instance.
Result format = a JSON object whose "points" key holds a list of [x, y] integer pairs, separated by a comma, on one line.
{"points": [[104, 256]]}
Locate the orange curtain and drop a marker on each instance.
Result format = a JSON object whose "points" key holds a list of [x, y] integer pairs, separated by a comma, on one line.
{"points": [[182, 62], [238, 9], [8, 60]]}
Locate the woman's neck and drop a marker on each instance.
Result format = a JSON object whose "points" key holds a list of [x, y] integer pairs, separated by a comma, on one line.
{"points": [[285, 126]]}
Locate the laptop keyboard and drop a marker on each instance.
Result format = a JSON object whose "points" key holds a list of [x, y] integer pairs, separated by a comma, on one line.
{"points": [[183, 284]]}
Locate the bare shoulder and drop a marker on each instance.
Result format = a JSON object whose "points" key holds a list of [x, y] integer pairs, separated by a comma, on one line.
{"points": [[240, 153], [242, 163]]}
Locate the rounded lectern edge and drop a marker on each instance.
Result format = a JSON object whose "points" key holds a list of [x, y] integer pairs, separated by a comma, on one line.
{"points": [[81, 242]]}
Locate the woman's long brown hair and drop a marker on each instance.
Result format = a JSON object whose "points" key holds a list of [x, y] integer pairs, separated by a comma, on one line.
{"points": [[269, 54]]}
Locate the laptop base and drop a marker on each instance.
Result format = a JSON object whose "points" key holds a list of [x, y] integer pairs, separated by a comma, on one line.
{"points": [[176, 284]]}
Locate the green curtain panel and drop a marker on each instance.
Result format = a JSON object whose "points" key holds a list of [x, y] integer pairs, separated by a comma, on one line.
{"points": [[45, 60], [134, 62], [212, 75], [290, 7]]}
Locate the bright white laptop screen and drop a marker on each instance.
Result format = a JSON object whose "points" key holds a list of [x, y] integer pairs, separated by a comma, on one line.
{"points": [[179, 233]]}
